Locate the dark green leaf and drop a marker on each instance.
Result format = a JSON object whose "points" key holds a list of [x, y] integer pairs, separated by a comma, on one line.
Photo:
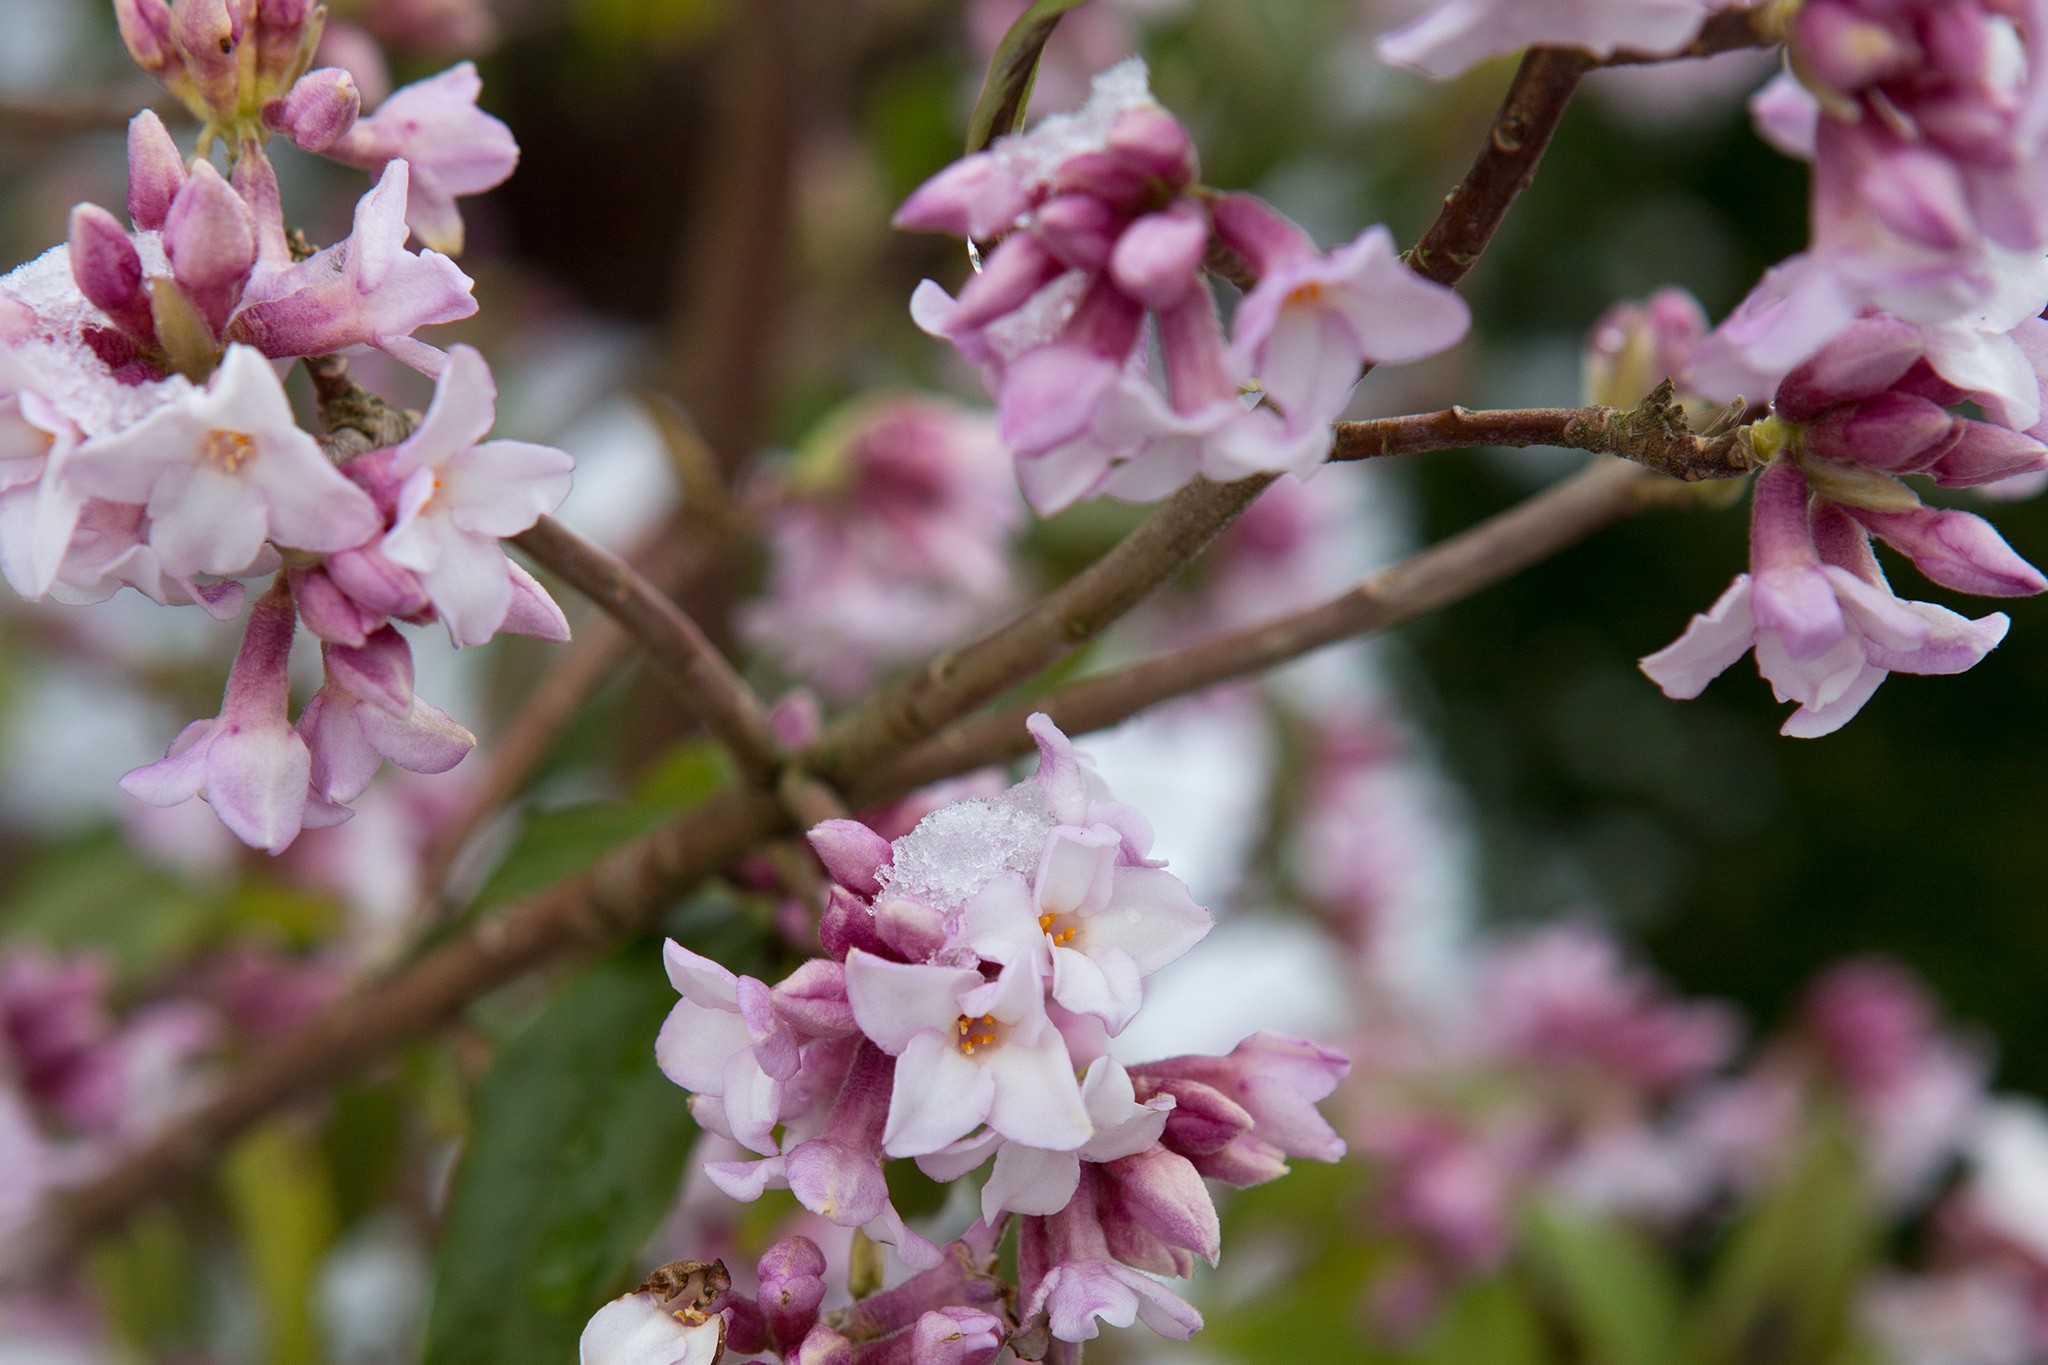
{"points": [[1007, 90], [578, 1147]]}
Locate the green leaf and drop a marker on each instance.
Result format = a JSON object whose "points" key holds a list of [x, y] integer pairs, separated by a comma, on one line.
{"points": [[1613, 1288], [1007, 90], [557, 844], [577, 1150], [283, 1203]]}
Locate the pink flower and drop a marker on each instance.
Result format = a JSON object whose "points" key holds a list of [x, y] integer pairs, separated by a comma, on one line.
{"points": [[452, 147], [1313, 320], [1452, 36], [1563, 996], [724, 1040], [1816, 609], [365, 291], [1095, 928], [969, 1051], [248, 762], [223, 470], [461, 494], [1069, 1273], [1033, 1180], [366, 713], [1636, 346], [891, 539]]}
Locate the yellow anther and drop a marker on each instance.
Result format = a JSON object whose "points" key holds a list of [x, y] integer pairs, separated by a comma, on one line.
{"points": [[228, 449], [1045, 923]]}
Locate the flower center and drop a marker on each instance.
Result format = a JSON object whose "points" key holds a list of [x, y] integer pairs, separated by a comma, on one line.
{"points": [[1060, 937], [1306, 293], [228, 449], [976, 1033]]}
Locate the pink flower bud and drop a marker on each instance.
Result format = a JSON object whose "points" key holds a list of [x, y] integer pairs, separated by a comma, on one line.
{"points": [[1956, 550], [1892, 431], [319, 108], [109, 272], [852, 853], [146, 32], [846, 924], [956, 1336], [792, 1274], [1079, 229], [1159, 257], [1153, 143], [156, 171], [328, 612], [1163, 1193], [210, 237], [913, 932], [208, 34], [1985, 453], [376, 584], [1861, 362], [1203, 1119]]}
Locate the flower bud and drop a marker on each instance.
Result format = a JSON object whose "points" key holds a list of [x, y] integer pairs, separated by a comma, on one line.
{"points": [[1636, 346], [1893, 431], [156, 171], [1203, 1119], [1986, 453], [287, 31], [1864, 361], [846, 924], [956, 1336], [1153, 143], [109, 272], [210, 238], [146, 32], [1164, 1194], [1158, 259], [853, 854], [1956, 550], [792, 1276], [1079, 229], [319, 108], [208, 35], [377, 584], [329, 612]]}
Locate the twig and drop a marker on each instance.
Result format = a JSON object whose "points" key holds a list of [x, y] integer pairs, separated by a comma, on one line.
{"points": [[676, 648], [1653, 434], [1476, 558], [1529, 115]]}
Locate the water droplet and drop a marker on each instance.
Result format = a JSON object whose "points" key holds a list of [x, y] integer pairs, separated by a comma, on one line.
{"points": [[974, 255]]}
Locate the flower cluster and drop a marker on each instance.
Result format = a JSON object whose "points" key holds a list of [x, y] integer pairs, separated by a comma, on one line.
{"points": [[147, 440], [1923, 121], [1102, 225], [976, 971], [1824, 624], [890, 539]]}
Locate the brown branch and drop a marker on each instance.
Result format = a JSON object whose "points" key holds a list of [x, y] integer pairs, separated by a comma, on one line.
{"points": [[1075, 612], [1476, 558], [1654, 434], [1529, 115], [691, 666]]}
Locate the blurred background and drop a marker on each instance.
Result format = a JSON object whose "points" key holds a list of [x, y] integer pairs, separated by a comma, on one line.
{"points": [[700, 217]]}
